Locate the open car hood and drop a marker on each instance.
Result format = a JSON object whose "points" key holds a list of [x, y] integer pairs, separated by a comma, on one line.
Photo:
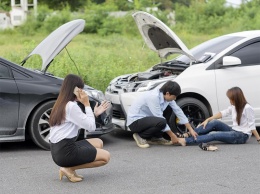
{"points": [[56, 41], [159, 37]]}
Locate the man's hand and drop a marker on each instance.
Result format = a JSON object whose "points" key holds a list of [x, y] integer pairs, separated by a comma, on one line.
{"points": [[173, 137], [191, 130], [193, 134], [174, 140]]}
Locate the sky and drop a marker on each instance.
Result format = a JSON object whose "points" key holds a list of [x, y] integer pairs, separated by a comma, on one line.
{"points": [[234, 3]]}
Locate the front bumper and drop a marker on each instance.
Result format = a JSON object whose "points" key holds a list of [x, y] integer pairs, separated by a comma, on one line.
{"points": [[120, 124], [100, 131], [118, 118]]}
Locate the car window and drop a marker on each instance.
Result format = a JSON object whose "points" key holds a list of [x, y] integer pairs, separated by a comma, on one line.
{"points": [[215, 45], [4, 72], [249, 55], [19, 75]]}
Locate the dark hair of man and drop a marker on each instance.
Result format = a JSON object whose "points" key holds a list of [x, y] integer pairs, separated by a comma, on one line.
{"points": [[236, 95], [172, 87], [66, 94]]}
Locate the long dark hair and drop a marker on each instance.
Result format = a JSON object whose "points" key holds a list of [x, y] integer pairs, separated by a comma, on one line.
{"points": [[236, 95], [66, 94]]}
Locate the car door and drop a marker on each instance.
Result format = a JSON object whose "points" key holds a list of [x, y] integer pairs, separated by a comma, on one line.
{"points": [[9, 102], [246, 76]]}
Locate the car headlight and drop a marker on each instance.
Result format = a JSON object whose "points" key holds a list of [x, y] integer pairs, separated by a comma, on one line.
{"points": [[97, 94], [147, 86]]}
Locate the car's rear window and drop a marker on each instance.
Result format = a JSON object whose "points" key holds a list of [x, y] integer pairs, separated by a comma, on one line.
{"points": [[215, 45]]}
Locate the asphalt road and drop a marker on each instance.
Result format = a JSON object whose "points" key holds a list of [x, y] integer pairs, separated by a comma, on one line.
{"points": [[159, 169]]}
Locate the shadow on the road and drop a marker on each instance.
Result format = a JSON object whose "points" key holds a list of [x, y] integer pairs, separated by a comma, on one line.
{"points": [[118, 135], [115, 136]]}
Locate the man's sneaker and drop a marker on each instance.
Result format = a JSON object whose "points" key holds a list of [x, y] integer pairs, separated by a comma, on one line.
{"points": [[159, 141], [142, 143]]}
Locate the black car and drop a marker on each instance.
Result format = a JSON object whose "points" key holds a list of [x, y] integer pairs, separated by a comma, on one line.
{"points": [[27, 96]]}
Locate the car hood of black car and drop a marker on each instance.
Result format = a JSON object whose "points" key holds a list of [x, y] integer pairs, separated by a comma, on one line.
{"points": [[159, 37], [52, 45]]}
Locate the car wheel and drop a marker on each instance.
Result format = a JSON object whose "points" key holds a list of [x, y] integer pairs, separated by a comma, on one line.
{"points": [[195, 111], [39, 127]]}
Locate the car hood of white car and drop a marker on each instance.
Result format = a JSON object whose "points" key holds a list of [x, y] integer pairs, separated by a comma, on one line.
{"points": [[56, 41], [159, 37]]}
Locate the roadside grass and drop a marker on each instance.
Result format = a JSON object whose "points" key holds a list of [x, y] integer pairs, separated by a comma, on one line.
{"points": [[99, 59]]}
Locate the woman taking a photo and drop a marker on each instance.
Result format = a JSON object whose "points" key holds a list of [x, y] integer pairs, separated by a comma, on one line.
{"points": [[65, 120], [214, 130]]}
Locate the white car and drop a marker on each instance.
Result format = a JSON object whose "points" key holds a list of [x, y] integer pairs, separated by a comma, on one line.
{"points": [[204, 73]]}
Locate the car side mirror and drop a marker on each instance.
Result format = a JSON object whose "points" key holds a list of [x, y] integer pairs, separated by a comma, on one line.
{"points": [[229, 60]]}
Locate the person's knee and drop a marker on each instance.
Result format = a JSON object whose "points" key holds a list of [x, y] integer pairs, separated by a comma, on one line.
{"points": [[100, 143], [162, 123], [106, 157], [215, 122], [103, 156]]}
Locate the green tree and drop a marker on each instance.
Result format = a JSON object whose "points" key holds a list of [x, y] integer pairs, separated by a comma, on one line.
{"points": [[60, 4], [5, 5], [121, 5]]}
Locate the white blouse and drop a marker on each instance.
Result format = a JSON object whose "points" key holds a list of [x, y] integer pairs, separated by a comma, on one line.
{"points": [[75, 119], [247, 121]]}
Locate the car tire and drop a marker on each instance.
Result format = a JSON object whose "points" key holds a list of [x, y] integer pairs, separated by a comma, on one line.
{"points": [[39, 128], [195, 111]]}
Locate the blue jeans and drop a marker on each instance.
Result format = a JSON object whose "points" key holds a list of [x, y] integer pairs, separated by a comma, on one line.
{"points": [[216, 130]]}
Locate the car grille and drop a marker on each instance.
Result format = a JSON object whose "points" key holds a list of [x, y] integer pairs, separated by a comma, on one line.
{"points": [[118, 112]]}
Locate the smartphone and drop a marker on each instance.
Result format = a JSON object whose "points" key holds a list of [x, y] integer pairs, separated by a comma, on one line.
{"points": [[76, 91]]}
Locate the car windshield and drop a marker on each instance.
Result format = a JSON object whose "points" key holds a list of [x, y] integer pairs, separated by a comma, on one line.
{"points": [[215, 45]]}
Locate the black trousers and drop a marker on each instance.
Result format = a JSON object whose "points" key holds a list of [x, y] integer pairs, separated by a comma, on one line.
{"points": [[149, 127]]}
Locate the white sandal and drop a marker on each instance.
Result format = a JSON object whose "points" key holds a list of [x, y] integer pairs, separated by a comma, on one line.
{"points": [[207, 147]]}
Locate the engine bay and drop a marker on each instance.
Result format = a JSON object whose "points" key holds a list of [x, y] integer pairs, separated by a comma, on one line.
{"points": [[160, 71], [130, 83]]}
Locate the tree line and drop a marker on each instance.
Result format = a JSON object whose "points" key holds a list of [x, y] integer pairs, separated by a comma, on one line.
{"points": [[123, 5], [190, 16]]}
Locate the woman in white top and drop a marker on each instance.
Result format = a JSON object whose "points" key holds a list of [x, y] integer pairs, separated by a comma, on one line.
{"points": [[65, 120], [214, 130]]}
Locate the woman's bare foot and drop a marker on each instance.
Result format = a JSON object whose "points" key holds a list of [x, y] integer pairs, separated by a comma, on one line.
{"points": [[182, 141]]}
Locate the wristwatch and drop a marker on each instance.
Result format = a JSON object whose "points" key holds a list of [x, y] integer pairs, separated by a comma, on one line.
{"points": [[258, 140]]}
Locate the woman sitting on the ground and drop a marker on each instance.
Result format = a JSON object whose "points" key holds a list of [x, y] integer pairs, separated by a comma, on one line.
{"points": [[214, 130]]}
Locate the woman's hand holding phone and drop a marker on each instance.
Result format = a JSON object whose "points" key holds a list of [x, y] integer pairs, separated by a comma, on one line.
{"points": [[81, 96]]}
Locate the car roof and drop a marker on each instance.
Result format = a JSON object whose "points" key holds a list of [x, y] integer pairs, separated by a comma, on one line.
{"points": [[246, 34]]}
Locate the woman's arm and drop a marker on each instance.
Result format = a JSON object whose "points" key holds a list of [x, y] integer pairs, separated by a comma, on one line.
{"points": [[255, 133], [250, 117], [215, 116]]}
